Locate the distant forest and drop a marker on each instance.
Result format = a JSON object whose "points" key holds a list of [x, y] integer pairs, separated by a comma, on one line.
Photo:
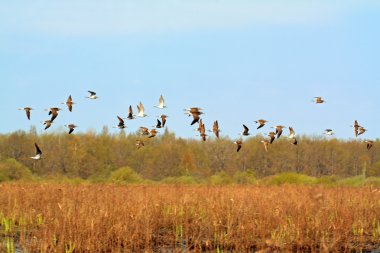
{"points": [[95, 156]]}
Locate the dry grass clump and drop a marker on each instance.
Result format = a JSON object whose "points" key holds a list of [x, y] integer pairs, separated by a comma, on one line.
{"points": [[110, 218]]}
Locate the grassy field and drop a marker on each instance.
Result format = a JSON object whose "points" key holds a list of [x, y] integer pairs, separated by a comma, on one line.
{"points": [[54, 217]]}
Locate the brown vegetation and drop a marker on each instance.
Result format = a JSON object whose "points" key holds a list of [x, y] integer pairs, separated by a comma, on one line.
{"points": [[108, 218]]}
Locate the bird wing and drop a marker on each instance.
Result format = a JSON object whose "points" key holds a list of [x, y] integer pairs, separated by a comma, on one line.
{"points": [[92, 93], [161, 101], [246, 129], [28, 114], [121, 121], [265, 146], [163, 117], [238, 147], [142, 108], [38, 150], [279, 132]]}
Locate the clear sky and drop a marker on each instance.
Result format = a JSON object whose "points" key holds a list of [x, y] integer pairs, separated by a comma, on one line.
{"points": [[239, 60]]}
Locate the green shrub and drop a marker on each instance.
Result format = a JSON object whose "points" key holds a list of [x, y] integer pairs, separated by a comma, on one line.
{"points": [[353, 181], [288, 178], [221, 178], [327, 180], [245, 177], [125, 175], [11, 169], [180, 180], [375, 181]]}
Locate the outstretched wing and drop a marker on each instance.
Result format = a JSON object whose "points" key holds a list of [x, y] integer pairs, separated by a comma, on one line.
{"points": [[38, 150]]}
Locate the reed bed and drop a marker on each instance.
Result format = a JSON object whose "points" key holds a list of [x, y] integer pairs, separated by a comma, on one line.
{"points": [[162, 218]]}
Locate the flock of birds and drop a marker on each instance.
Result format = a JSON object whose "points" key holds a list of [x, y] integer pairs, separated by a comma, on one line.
{"points": [[195, 113]]}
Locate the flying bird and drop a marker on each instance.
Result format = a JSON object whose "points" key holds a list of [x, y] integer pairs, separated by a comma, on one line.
{"points": [[153, 133], [271, 137], [328, 132], [215, 129], [161, 103], [130, 113], [121, 124], [27, 110], [278, 130], [369, 144], [71, 127], [291, 133], [47, 123], [261, 123], [163, 119], [319, 100], [159, 124], [191, 110], [38, 155], [356, 128], [69, 103], [265, 143], [54, 113], [202, 131], [245, 131], [239, 143], [144, 131], [362, 130], [195, 112], [139, 144], [92, 95], [141, 110]]}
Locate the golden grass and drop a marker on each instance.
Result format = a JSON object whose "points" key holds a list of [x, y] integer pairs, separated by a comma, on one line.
{"points": [[109, 218]]}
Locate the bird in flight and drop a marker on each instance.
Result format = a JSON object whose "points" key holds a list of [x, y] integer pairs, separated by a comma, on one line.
{"points": [[139, 144], [27, 110], [319, 100], [38, 155], [356, 128], [265, 143], [369, 144], [141, 110], [71, 127], [54, 113], [144, 131], [271, 137], [261, 123], [195, 112], [48, 123], [121, 124], [215, 129], [159, 124], [130, 113], [92, 95], [239, 143], [362, 130], [161, 103], [152, 132], [328, 132], [163, 119], [278, 130], [291, 133], [245, 131], [69, 103]]}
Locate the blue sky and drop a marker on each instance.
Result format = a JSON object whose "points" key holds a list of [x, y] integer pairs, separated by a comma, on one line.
{"points": [[240, 60]]}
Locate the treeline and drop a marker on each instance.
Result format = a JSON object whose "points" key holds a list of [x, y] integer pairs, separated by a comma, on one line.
{"points": [[94, 156]]}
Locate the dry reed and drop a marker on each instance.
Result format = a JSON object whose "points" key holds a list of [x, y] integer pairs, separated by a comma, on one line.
{"points": [[110, 218]]}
